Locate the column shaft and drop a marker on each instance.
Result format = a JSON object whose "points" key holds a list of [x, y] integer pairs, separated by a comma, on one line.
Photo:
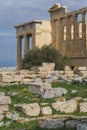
{"points": [[67, 29], [75, 35], [19, 57], [26, 44], [59, 35], [84, 32], [34, 42]]}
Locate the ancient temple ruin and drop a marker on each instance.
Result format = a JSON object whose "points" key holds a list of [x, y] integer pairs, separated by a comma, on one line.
{"points": [[67, 31], [39, 31]]}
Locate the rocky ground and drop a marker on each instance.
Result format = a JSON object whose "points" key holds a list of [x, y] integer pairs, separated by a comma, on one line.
{"points": [[29, 95]]}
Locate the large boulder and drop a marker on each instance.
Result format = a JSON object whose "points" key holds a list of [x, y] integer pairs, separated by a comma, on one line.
{"points": [[32, 109], [69, 106]]}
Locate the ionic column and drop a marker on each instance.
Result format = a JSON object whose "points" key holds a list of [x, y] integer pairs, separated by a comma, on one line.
{"points": [[19, 57], [84, 32], [26, 44]]}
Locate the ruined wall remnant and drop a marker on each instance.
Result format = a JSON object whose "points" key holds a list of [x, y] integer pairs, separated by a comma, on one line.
{"points": [[69, 33]]}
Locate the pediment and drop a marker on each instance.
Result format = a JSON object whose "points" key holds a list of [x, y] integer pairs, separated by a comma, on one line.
{"points": [[54, 7]]}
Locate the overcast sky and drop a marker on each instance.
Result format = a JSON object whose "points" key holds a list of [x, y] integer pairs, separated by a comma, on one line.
{"points": [[15, 12]]}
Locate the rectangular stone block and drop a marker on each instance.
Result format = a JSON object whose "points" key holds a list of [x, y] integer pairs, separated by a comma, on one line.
{"points": [[48, 66], [5, 100], [35, 88], [83, 68]]}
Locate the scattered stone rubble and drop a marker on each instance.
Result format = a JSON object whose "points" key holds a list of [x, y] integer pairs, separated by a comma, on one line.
{"points": [[39, 82], [46, 73]]}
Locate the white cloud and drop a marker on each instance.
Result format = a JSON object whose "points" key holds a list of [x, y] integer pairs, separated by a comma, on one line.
{"points": [[6, 35]]}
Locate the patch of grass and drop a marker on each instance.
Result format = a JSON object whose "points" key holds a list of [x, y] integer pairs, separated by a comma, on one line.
{"points": [[19, 126]]}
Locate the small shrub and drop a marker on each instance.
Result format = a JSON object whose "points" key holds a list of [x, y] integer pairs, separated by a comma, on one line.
{"points": [[48, 54]]}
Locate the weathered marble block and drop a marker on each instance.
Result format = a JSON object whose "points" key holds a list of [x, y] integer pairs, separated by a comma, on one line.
{"points": [[32, 109], [5, 100], [45, 90], [38, 88], [46, 110], [35, 88], [83, 107], [53, 92]]}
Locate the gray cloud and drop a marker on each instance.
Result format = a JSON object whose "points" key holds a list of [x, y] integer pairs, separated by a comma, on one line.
{"points": [[18, 11]]}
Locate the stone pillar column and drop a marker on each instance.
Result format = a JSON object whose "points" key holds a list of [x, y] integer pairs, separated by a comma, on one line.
{"points": [[19, 57], [67, 28], [84, 32], [53, 34], [75, 34], [26, 44], [67, 41], [59, 29], [33, 41], [75, 27], [60, 36], [56, 34]]}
